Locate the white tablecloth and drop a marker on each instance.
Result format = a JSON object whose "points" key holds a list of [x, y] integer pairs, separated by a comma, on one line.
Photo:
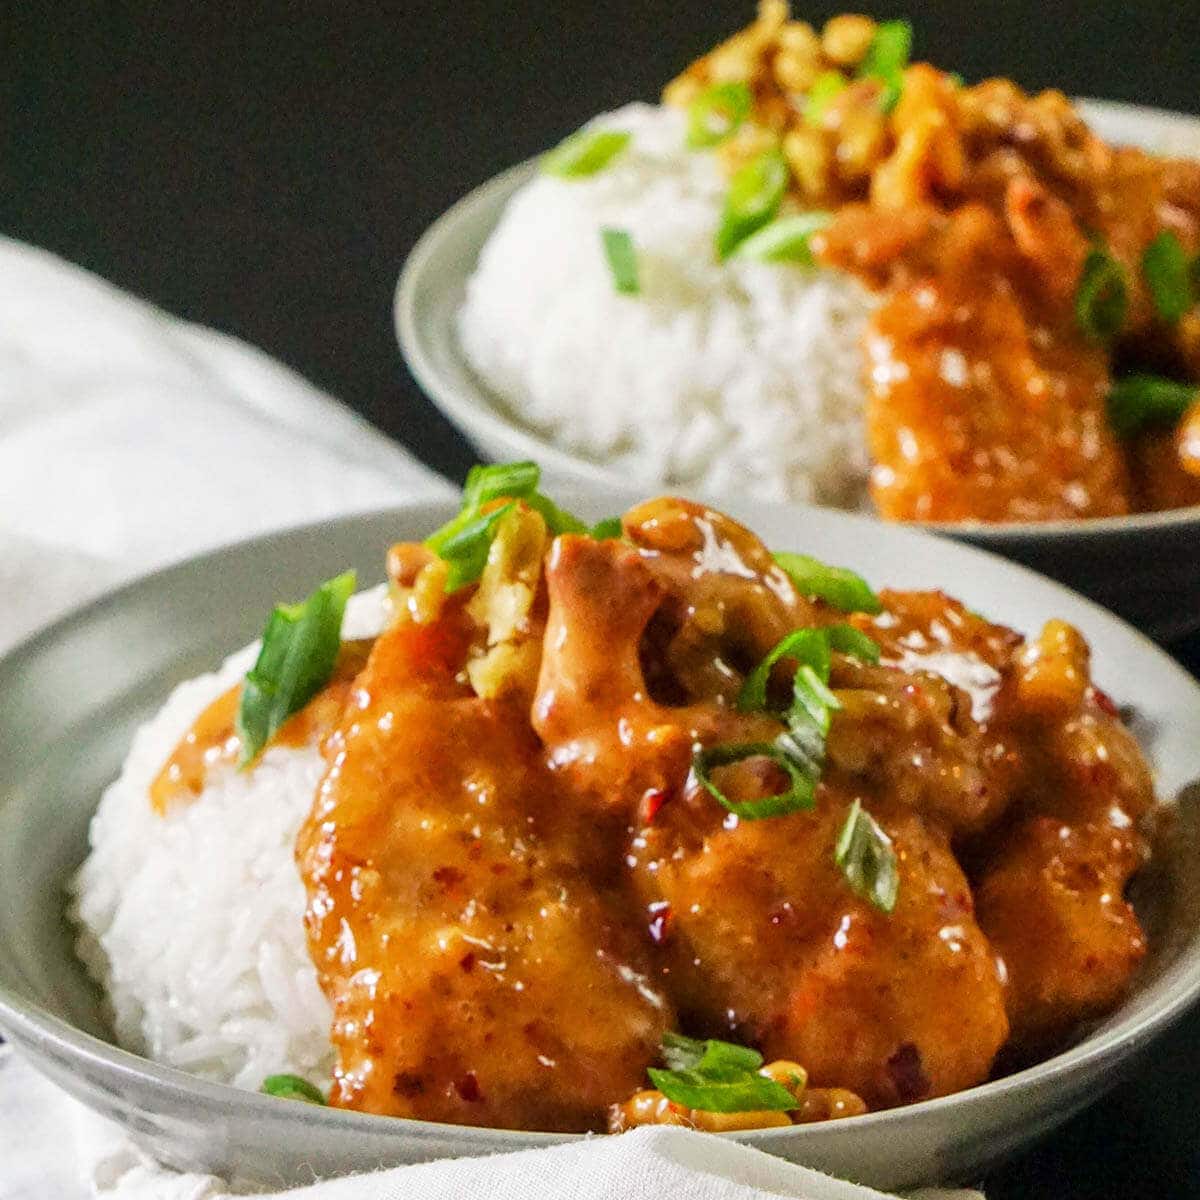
{"points": [[128, 440]]}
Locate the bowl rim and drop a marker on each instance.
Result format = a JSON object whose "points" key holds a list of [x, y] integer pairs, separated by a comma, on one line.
{"points": [[28, 1021], [479, 407]]}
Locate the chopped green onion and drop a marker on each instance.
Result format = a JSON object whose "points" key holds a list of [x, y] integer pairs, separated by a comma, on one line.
{"points": [[886, 58], [610, 527], [1102, 296], [956, 79], [716, 1076], [557, 520], [292, 1087], [517, 480], [786, 239], [622, 260], [464, 541], [1139, 400], [1194, 276], [837, 586], [1165, 267], [300, 646], [826, 85], [799, 793], [755, 193], [585, 152], [807, 646], [682, 1053], [800, 750], [845, 639], [867, 859], [716, 113], [466, 553]]}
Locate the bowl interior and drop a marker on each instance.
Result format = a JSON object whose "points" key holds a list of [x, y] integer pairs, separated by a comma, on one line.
{"points": [[79, 690]]}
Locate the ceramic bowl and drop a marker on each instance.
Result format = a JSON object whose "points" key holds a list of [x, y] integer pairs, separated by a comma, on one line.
{"points": [[1144, 567], [75, 694]]}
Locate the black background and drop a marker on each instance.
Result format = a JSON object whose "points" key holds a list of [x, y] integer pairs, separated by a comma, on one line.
{"points": [[264, 168]]}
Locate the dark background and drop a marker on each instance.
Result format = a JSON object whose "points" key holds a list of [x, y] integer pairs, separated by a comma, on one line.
{"points": [[264, 168]]}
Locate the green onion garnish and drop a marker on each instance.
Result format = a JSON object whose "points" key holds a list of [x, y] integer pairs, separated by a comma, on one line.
{"points": [[786, 239], [716, 1076], [755, 193], [463, 542], [826, 85], [867, 860], [1167, 273], [1102, 296], [1139, 400], [466, 552], [800, 750], [300, 646], [837, 586], [799, 793], [886, 58], [585, 152], [622, 260], [610, 527], [716, 113], [292, 1087]]}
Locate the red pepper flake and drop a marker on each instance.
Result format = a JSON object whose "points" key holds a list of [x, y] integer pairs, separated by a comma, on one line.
{"points": [[467, 962], [660, 921], [468, 1088], [1105, 703], [408, 1084], [652, 800], [448, 877]]}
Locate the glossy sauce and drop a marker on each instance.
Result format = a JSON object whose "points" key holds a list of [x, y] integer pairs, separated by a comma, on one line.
{"points": [[212, 741], [510, 900]]}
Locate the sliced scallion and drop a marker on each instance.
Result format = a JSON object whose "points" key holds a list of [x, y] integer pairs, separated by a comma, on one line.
{"points": [[585, 152], [1167, 274], [800, 749], [300, 646], [621, 257], [463, 542], [867, 859], [786, 239], [1139, 400], [824, 88], [798, 794], [837, 586], [716, 1076], [886, 58], [716, 113], [1102, 296], [610, 527], [755, 193], [292, 1087]]}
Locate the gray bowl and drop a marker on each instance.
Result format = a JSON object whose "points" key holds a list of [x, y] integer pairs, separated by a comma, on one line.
{"points": [[1144, 567], [74, 695]]}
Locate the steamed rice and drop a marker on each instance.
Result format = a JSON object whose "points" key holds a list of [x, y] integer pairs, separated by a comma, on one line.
{"points": [[739, 377], [192, 922]]}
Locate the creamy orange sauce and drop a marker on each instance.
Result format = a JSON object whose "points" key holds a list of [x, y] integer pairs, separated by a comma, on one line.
{"points": [[512, 899], [212, 740]]}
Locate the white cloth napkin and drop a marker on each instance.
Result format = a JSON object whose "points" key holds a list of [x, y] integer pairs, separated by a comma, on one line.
{"points": [[128, 440]]}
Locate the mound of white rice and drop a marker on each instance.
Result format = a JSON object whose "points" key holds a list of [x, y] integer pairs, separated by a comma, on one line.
{"points": [[192, 922], [737, 378]]}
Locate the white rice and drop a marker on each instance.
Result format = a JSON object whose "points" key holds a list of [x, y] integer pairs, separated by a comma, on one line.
{"points": [[192, 921], [738, 378]]}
